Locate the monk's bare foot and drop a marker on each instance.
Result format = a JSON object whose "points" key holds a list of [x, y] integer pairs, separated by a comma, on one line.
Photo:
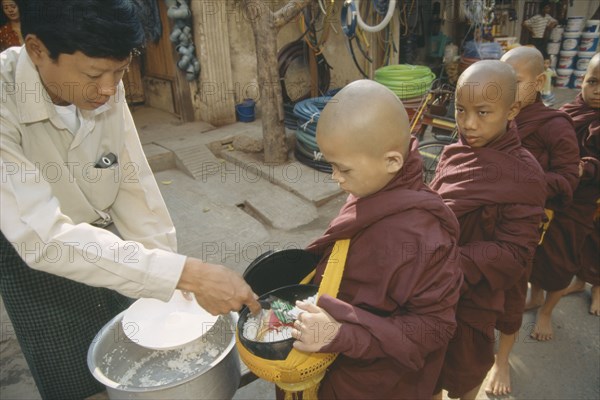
{"points": [[535, 298], [595, 306], [575, 287], [543, 327], [499, 382]]}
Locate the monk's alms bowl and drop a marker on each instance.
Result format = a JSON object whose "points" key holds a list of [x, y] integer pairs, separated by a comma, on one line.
{"points": [[277, 350]]}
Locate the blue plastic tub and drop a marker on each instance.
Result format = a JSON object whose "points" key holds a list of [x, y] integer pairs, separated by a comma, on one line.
{"points": [[245, 110]]}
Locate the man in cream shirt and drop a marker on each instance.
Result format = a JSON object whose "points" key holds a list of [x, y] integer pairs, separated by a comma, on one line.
{"points": [[72, 168]]}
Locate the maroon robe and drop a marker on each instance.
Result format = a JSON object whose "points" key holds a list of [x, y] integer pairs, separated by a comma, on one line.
{"points": [[399, 290], [585, 204], [497, 193], [549, 136]]}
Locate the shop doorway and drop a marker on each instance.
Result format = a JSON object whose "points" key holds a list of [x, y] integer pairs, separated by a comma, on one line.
{"points": [[155, 81]]}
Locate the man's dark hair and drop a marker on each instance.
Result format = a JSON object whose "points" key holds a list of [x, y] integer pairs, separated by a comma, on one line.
{"points": [[97, 28], [543, 5]]}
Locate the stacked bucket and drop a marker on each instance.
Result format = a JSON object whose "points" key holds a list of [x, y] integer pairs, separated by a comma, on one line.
{"points": [[579, 43]]}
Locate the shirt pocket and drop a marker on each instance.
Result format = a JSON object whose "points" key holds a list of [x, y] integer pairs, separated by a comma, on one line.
{"points": [[102, 186]]}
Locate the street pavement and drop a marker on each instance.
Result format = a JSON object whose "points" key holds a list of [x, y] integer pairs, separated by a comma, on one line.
{"points": [[228, 208]]}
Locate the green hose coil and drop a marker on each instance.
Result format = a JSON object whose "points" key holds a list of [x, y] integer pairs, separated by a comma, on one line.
{"points": [[406, 81]]}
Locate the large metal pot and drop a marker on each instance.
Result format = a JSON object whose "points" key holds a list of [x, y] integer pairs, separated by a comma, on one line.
{"points": [[208, 368]]}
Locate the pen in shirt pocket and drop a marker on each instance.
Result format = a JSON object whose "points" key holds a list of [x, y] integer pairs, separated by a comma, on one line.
{"points": [[106, 161]]}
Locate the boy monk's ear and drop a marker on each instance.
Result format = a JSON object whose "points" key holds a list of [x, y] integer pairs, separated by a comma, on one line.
{"points": [[514, 110], [393, 161]]}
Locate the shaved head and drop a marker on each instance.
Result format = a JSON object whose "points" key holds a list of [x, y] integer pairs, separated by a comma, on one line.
{"points": [[495, 79], [530, 57], [590, 88], [594, 64], [368, 115]]}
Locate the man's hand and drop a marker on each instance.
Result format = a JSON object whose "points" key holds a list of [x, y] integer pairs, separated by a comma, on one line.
{"points": [[314, 328], [218, 289]]}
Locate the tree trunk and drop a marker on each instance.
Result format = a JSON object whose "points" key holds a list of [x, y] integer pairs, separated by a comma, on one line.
{"points": [[265, 25]]}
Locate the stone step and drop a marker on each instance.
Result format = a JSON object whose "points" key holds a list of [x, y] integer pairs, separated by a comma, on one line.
{"points": [[311, 185]]}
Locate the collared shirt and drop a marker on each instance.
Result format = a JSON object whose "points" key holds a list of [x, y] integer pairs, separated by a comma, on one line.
{"points": [[51, 191]]}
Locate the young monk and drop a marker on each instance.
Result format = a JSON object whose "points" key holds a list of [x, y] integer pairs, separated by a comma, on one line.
{"points": [[394, 314], [549, 136], [585, 112], [497, 190]]}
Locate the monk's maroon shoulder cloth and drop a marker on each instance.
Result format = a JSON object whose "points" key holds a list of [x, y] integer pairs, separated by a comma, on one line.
{"points": [[498, 194], [571, 244], [398, 293], [550, 137], [587, 128]]}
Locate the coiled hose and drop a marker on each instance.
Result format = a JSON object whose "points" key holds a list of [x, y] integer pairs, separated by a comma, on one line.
{"points": [[307, 151], [382, 24], [297, 51], [406, 81]]}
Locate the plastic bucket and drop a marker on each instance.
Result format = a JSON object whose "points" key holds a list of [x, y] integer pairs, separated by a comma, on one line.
{"points": [[245, 110], [578, 79], [574, 24], [592, 25], [589, 41], [583, 59], [563, 76], [571, 41], [556, 34], [553, 48], [566, 59]]}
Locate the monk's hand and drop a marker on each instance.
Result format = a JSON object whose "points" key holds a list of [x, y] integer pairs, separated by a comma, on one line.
{"points": [[580, 168], [314, 328], [218, 289]]}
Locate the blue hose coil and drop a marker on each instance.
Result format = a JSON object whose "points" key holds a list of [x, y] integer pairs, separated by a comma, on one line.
{"points": [[308, 112]]}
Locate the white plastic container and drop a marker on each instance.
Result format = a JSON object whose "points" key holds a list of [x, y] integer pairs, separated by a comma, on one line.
{"points": [[556, 34], [589, 41], [571, 41], [553, 48], [578, 79], [583, 59], [574, 24], [563, 76], [592, 25], [566, 60]]}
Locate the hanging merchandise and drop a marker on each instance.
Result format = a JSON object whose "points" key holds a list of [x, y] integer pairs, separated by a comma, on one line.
{"points": [[382, 24], [306, 46], [294, 52], [348, 16], [150, 17], [307, 151], [409, 31], [310, 32], [181, 35]]}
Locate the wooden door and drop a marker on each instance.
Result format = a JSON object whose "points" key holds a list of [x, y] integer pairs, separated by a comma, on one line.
{"points": [[164, 84], [134, 86]]}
